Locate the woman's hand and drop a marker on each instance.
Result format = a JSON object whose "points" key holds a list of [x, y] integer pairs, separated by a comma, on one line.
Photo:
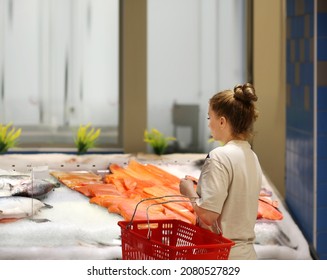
{"points": [[186, 187]]}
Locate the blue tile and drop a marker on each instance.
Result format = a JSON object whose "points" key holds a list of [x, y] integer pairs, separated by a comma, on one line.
{"points": [[303, 74], [310, 79], [290, 73], [297, 50], [309, 96], [308, 145], [294, 73], [299, 188], [306, 73], [307, 172], [294, 28], [322, 147], [308, 222], [296, 119], [322, 122], [299, 142], [309, 74], [300, 95], [322, 195], [301, 25], [321, 243], [311, 25], [321, 219], [322, 171], [300, 216], [321, 25], [308, 6], [290, 7], [322, 48], [307, 124], [294, 92], [297, 27], [288, 118], [288, 51], [322, 98], [307, 50], [298, 114], [299, 178]]}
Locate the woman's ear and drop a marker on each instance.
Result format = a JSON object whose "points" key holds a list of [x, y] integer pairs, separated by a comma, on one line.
{"points": [[222, 121]]}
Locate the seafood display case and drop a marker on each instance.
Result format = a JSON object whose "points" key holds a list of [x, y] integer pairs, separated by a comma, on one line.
{"points": [[54, 221]]}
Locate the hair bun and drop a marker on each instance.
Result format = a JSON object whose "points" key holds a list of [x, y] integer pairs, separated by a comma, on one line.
{"points": [[245, 93]]}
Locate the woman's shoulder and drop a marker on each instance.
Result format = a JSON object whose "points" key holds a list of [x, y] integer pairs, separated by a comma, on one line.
{"points": [[230, 149], [218, 153]]}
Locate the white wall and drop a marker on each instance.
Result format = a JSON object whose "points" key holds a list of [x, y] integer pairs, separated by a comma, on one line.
{"points": [[40, 41], [19, 62], [195, 48]]}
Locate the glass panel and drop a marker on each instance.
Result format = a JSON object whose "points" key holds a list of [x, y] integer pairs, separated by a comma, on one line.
{"points": [[195, 49], [59, 69]]}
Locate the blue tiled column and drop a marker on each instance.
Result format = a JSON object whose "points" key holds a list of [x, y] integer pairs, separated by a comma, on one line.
{"points": [[306, 127]]}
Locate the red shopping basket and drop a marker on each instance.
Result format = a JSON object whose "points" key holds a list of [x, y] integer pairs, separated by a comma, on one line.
{"points": [[171, 240]]}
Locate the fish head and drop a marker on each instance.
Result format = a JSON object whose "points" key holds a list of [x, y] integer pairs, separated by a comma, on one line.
{"points": [[37, 188], [6, 187], [22, 188], [12, 179]]}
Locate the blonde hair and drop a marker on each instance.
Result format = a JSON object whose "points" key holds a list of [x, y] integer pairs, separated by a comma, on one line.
{"points": [[237, 106]]}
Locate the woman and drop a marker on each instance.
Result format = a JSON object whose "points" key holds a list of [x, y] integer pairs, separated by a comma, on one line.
{"points": [[230, 181]]}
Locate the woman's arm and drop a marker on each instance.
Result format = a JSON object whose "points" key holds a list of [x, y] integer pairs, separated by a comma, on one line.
{"points": [[208, 217]]}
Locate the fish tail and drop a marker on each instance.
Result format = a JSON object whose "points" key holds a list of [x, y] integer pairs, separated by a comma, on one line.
{"points": [[40, 220], [47, 206]]}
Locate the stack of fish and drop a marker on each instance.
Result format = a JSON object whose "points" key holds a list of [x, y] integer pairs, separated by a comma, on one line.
{"points": [[20, 196], [122, 189]]}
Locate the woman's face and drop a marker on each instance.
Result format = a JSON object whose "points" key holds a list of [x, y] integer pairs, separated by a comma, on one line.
{"points": [[214, 124]]}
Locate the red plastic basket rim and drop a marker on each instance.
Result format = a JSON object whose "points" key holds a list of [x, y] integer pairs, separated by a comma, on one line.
{"points": [[226, 242]]}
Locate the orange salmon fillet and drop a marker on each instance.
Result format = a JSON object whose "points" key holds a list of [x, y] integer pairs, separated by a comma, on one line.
{"points": [[72, 179], [98, 189], [109, 201], [159, 191], [268, 210]]}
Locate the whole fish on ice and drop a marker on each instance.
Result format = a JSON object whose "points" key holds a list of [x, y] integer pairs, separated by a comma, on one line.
{"points": [[7, 182], [13, 208], [23, 185]]}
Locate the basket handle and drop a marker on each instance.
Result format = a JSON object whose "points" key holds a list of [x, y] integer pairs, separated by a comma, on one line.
{"points": [[191, 200], [160, 203]]}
